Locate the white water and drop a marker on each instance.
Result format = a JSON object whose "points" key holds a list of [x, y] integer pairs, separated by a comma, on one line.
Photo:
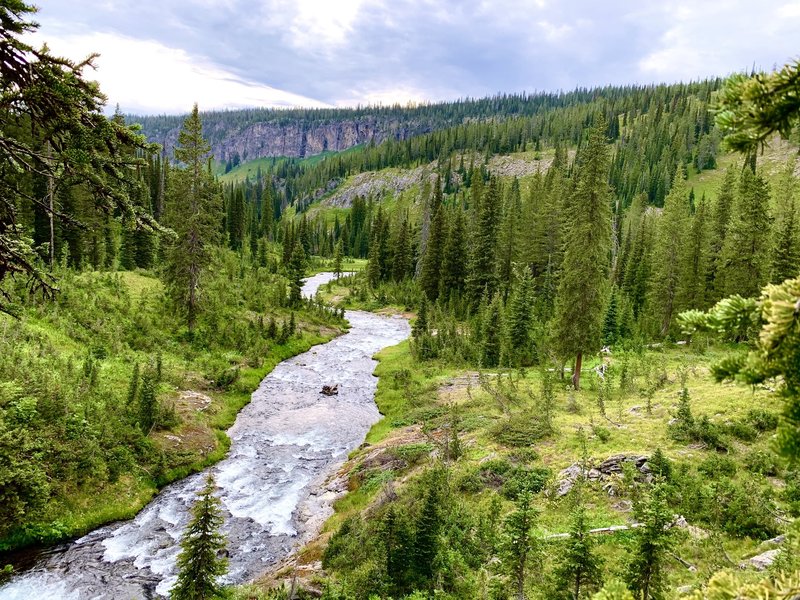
{"points": [[285, 444]]}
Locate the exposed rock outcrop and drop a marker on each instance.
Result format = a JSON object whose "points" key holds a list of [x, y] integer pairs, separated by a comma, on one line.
{"points": [[605, 471]]}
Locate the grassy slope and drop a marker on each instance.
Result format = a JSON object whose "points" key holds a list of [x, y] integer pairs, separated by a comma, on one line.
{"points": [[196, 442], [250, 168], [437, 388]]}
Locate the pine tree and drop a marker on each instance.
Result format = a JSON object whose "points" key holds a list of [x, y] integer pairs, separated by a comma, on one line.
{"points": [[582, 291], [579, 573], [520, 316], [508, 242], [428, 527], [338, 257], [402, 259], [491, 328], [668, 254], [420, 327], [235, 218], [194, 214], [719, 229], [432, 261], [692, 288], [296, 272], [521, 545], [646, 576], [785, 260], [482, 277], [454, 258], [611, 321], [746, 248], [199, 563], [148, 402]]}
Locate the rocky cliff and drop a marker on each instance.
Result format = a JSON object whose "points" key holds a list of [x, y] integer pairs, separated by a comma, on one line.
{"points": [[295, 138]]}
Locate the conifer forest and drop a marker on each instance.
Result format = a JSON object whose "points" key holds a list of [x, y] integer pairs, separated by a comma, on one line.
{"points": [[523, 346]]}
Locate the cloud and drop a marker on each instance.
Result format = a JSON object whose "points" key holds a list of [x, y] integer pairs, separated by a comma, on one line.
{"points": [[145, 76], [358, 51]]}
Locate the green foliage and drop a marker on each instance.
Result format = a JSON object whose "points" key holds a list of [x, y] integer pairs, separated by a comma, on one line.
{"points": [[582, 292], [645, 575], [520, 545], [199, 563], [750, 109], [578, 573]]}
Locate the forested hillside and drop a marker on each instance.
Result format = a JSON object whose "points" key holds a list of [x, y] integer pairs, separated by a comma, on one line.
{"points": [[601, 394]]}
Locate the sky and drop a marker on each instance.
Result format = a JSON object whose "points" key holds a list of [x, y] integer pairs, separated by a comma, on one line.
{"points": [[161, 56]]}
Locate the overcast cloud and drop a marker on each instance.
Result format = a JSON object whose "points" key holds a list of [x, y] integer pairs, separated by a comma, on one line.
{"points": [[161, 56]]}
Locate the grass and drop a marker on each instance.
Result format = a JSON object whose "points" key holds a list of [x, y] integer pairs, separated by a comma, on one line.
{"points": [[409, 391]]}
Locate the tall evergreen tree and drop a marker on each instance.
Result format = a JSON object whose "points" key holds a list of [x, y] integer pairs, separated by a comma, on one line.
{"points": [[432, 261], [579, 573], [402, 261], [508, 239], [668, 256], [199, 563], [491, 342], [582, 291], [746, 248], [482, 278], [692, 289], [520, 317], [785, 257], [194, 214], [454, 257], [719, 230], [521, 545], [646, 576], [338, 257]]}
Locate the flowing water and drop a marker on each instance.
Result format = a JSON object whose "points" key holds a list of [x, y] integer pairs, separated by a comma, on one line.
{"points": [[285, 445]]}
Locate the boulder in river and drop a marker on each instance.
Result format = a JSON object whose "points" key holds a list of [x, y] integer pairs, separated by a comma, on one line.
{"points": [[330, 390]]}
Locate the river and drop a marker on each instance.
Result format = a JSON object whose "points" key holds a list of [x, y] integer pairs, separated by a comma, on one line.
{"points": [[285, 445]]}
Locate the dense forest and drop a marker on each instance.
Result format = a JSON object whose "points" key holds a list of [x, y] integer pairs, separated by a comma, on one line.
{"points": [[555, 427]]}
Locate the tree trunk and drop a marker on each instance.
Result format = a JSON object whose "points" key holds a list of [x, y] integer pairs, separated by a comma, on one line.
{"points": [[576, 372]]}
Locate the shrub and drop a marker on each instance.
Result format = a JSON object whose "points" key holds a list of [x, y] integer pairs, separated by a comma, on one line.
{"points": [[520, 430], [762, 420], [762, 462], [716, 466], [742, 430]]}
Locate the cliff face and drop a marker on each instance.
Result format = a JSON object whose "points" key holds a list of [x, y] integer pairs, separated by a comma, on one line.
{"points": [[296, 139]]}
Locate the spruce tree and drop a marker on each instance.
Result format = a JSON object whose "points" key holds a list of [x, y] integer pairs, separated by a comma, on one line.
{"points": [[668, 255], [521, 545], [520, 317], [583, 289], [579, 573], [199, 563], [236, 218], [482, 277], [645, 575], [746, 248], [785, 257], [508, 242], [692, 288], [338, 257], [194, 211], [432, 261], [719, 229], [491, 328], [402, 259], [296, 272], [454, 258]]}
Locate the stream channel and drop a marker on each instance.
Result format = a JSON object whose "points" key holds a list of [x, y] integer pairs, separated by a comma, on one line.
{"points": [[286, 444]]}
